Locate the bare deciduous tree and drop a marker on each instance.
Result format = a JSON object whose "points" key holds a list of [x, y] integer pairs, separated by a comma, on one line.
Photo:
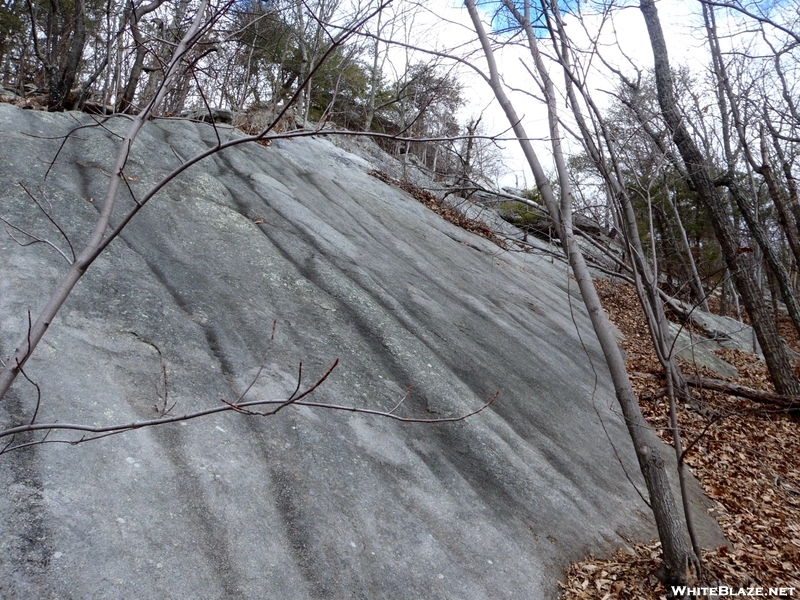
{"points": [[697, 167], [676, 553]]}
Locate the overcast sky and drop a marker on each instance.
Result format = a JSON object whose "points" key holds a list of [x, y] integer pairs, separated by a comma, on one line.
{"points": [[446, 24]]}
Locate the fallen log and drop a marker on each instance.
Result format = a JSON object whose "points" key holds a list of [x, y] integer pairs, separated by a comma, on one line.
{"points": [[741, 391], [733, 389]]}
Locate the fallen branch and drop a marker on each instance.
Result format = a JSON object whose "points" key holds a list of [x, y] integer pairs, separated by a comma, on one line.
{"points": [[726, 387], [734, 389]]}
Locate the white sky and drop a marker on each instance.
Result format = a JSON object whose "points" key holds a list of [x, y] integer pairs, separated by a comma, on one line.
{"points": [[446, 24]]}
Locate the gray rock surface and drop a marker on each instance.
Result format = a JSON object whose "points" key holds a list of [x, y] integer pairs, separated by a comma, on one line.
{"points": [[699, 350], [7, 95], [728, 332], [209, 115], [308, 503]]}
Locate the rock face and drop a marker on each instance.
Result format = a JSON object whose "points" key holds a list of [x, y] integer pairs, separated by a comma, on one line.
{"points": [[699, 350], [310, 503]]}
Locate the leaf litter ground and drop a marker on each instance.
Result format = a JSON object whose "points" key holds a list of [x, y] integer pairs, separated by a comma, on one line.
{"points": [[745, 458]]}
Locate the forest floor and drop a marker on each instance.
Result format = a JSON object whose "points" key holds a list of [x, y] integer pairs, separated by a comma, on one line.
{"points": [[746, 459]]}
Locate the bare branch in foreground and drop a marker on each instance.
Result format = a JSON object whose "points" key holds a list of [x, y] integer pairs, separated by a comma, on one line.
{"points": [[98, 239], [296, 399], [103, 232], [36, 239], [241, 408]]}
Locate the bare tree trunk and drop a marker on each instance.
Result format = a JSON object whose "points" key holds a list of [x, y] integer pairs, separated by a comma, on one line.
{"points": [[723, 296], [69, 72], [697, 284], [735, 294], [60, 64], [466, 160], [646, 444], [726, 97], [776, 267], [791, 182], [643, 121], [375, 77], [125, 103], [778, 196], [645, 277]]}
